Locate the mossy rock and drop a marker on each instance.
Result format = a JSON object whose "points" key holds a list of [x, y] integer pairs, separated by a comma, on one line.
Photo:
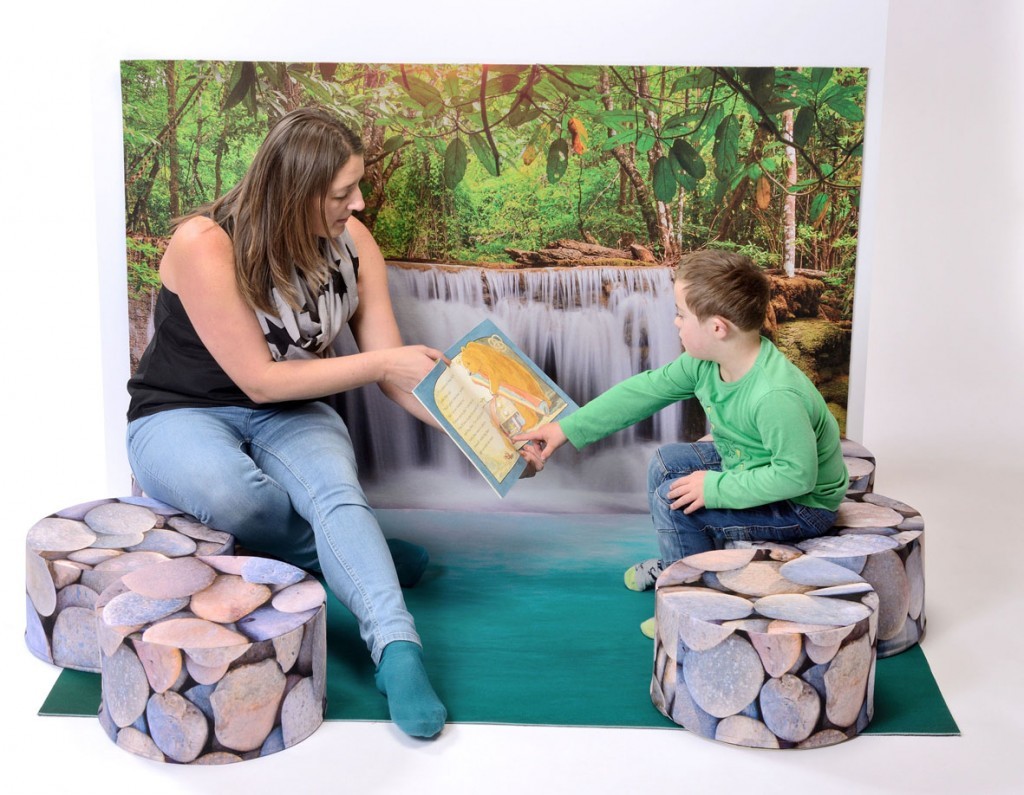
{"points": [[818, 347], [821, 349], [839, 412], [836, 391], [795, 297]]}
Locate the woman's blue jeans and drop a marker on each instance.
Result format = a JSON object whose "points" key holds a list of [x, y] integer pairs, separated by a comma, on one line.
{"points": [[681, 534], [283, 482]]}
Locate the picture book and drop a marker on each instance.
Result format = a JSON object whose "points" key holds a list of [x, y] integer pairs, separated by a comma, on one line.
{"points": [[490, 392]]}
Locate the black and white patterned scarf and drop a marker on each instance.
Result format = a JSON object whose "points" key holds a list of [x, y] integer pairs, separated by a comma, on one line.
{"points": [[309, 332]]}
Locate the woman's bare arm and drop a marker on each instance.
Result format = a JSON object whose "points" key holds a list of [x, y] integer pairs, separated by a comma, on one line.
{"points": [[199, 267]]}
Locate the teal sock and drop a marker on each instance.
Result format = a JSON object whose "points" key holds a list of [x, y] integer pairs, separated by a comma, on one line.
{"points": [[412, 702], [410, 561]]}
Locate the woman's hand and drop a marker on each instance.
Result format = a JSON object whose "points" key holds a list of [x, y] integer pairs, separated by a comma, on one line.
{"points": [[534, 463], [405, 367]]}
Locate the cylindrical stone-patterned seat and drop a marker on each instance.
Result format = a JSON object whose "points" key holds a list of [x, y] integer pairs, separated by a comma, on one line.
{"points": [[763, 648], [882, 540], [212, 659], [860, 463], [74, 554]]}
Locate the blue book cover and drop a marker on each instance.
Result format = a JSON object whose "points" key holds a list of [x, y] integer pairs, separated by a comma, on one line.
{"points": [[490, 392]]}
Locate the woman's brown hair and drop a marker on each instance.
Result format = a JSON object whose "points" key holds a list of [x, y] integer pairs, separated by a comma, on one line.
{"points": [[267, 213]]}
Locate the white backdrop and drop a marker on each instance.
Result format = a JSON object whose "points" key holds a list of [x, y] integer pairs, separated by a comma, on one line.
{"points": [[937, 373]]}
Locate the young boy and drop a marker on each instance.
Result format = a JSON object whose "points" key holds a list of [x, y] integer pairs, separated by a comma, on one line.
{"points": [[775, 469]]}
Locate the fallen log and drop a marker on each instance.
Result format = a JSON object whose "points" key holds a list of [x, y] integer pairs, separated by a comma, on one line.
{"points": [[570, 253]]}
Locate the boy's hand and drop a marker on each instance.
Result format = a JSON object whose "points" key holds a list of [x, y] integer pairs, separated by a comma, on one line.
{"points": [[546, 439], [688, 491]]}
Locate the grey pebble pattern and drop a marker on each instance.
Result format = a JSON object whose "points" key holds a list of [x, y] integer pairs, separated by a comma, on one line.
{"points": [[180, 687], [878, 538], [74, 554], [873, 528], [775, 663]]}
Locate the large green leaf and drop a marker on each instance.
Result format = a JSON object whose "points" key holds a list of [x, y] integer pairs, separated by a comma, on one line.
{"points": [[796, 85], [820, 78], [687, 182], [677, 125], [393, 144], [775, 107], [761, 81], [420, 90], [665, 184], [701, 78], [522, 113], [243, 81], [645, 141], [721, 188], [706, 132], [803, 124], [558, 160], [617, 118], [483, 153], [804, 183], [818, 206], [727, 145], [498, 85], [455, 160], [689, 158], [314, 87], [433, 108], [563, 87], [619, 139], [845, 107]]}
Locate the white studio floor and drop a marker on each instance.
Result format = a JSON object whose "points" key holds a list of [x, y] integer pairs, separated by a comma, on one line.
{"points": [[975, 661]]}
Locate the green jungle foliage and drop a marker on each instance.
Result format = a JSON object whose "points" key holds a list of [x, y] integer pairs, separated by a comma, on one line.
{"points": [[465, 162]]}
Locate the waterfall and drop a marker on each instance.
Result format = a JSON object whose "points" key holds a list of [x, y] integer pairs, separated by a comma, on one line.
{"points": [[588, 328]]}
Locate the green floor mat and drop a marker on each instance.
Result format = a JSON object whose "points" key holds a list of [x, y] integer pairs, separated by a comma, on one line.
{"points": [[525, 620]]}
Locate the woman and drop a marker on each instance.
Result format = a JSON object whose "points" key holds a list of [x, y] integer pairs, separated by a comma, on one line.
{"points": [[225, 420]]}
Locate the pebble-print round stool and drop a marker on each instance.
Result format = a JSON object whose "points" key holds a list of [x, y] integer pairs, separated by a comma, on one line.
{"points": [[882, 540], [764, 652], [74, 554], [212, 659], [860, 463]]}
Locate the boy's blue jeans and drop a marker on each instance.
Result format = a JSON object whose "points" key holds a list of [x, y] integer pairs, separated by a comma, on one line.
{"points": [[283, 482], [681, 534]]}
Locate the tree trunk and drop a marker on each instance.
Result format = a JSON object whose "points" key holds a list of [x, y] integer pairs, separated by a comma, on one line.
{"points": [[665, 231], [218, 163], [173, 168], [789, 204], [375, 178], [736, 199], [644, 198], [138, 220]]}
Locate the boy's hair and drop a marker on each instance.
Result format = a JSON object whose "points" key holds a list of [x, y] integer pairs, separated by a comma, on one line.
{"points": [[727, 284]]}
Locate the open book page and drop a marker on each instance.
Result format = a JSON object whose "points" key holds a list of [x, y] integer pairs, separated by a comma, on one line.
{"points": [[491, 392]]}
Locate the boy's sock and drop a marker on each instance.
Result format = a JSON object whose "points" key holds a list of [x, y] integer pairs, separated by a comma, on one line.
{"points": [[642, 576], [412, 702], [410, 561], [649, 627]]}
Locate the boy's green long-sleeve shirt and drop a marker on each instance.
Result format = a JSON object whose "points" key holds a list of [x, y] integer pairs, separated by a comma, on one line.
{"points": [[776, 436]]}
